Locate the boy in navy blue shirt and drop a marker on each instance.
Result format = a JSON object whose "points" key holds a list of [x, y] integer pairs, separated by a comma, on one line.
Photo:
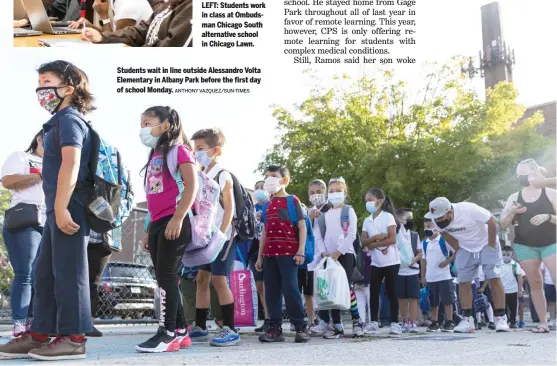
{"points": [[61, 303]]}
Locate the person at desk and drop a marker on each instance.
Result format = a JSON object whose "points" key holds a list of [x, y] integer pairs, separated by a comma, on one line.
{"points": [[64, 10], [127, 13], [169, 27]]}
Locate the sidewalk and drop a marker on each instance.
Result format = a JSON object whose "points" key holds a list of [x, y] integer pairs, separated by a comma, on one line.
{"points": [[481, 348]]}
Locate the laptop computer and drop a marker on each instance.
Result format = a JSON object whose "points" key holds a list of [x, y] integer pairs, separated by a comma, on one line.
{"points": [[39, 19], [20, 13], [19, 10]]}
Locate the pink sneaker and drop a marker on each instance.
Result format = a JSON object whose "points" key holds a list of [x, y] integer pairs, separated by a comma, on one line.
{"points": [[184, 339]]}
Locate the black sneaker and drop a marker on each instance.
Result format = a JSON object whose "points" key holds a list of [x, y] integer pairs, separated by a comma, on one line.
{"points": [[264, 328], [302, 336], [163, 341], [491, 325], [478, 326], [448, 327], [272, 335], [95, 333], [433, 327], [513, 325]]}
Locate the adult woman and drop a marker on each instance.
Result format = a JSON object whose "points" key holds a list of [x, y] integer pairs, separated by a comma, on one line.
{"points": [[22, 176], [170, 27], [533, 211], [117, 14]]}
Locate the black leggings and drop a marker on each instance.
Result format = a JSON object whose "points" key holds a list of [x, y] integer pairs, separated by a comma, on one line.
{"points": [[166, 256], [390, 274], [98, 257], [511, 306]]}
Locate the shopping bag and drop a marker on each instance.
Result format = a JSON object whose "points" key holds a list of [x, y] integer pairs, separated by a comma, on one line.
{"points": [[331, 289], [243, 289]]}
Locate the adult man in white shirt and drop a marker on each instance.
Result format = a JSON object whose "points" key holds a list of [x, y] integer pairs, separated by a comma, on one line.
{"points": [[472, 232]]}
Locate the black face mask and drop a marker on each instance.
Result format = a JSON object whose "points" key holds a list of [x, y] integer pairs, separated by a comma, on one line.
{"points": [[428, 233], [409, 224], [524, 181], [444, 223]]}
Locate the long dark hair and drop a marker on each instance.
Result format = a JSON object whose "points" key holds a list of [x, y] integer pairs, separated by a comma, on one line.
{"points": [[34, 144], [387, 205], [174, 136]]}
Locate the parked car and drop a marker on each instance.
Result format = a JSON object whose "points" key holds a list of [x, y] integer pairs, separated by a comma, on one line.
{"points": [[127, 290]]}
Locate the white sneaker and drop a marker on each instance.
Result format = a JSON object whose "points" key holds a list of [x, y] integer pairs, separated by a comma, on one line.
{"points": [[501, 324], [321, 328], [405, 327], [466, 325], [413, 328], [552, 324], [371, 329], [396, 329]]}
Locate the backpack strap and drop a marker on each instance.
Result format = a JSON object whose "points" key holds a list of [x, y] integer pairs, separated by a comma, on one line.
{"points": [[173, 168], [424, 247], [345, 218], [264, 212], [414, 241], [322, 225], [514, 268], [292, 210], [443, 246]]}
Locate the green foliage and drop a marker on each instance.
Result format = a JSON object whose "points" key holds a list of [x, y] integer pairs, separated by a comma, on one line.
{"points": [[443, 141], [7, 276]]}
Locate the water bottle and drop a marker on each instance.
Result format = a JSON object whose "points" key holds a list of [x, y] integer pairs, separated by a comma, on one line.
{"points": [[204, 211], [102, 210]]}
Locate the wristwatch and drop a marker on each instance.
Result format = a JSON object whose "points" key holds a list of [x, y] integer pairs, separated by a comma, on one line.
{"points": [[105, 21]]}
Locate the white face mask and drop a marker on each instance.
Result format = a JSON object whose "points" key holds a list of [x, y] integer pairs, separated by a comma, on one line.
{"points": [[147, 139], [272, 185], [336, 198], [318, 199]]}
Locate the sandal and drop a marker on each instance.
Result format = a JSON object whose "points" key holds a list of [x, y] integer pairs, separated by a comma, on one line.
{"points": [[540, 329]]}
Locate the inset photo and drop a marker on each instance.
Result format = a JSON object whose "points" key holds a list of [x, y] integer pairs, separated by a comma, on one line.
{"points": [[120, 23]]}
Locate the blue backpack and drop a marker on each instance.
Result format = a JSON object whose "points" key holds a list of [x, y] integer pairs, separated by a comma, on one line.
{"points": [[445, 252], [109, 186], [309, 251]]}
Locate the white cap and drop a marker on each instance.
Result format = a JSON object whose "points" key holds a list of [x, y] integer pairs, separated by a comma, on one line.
{"points": [[438, 208]]}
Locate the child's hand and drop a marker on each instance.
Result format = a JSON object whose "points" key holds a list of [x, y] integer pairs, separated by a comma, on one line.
{"points": [[173, 228], [444, 264], [259, 265], [314, 214], [325, 255], [335, 255], [299, 259], [145, 243]]}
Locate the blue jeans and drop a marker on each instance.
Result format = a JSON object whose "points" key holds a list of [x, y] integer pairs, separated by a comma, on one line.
{"points": [[280, 277], [23, 246], [62, 299], [384, 310]]}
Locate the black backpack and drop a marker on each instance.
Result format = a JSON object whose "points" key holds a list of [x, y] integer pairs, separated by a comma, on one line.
{"points": [[244, 220]]}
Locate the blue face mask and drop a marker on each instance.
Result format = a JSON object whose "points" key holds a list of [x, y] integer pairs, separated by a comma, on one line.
{"points": [[261, 195], [371, 207], [336, 198], [203, 159]]}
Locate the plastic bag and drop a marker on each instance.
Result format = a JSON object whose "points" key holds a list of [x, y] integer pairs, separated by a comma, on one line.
{"points": [[331, 289], [404, 250]]}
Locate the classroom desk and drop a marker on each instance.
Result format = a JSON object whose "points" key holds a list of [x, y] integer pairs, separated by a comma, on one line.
{"points": [[32, 41]]}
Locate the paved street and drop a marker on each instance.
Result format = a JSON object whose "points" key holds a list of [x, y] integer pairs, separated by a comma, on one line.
{"points": [[483, 347]]}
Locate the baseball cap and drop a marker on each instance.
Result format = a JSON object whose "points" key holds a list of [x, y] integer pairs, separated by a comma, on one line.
{"points": [[438, 208]]}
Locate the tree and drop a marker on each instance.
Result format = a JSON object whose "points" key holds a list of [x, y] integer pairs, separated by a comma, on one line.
{"points": [[373, 133], [6, 277]]}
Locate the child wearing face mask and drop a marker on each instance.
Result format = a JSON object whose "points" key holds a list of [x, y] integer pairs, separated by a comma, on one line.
{"points": [[261, 198], [209, 144], [379, 235], [337, 243], [63, 91], [511, 275], [169, 229], [281, 251]]}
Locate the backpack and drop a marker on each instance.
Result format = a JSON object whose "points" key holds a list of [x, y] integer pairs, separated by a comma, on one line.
{"points": [[309, 251], [414, 241], [206, 239], [359, 264], [445, 252], [108, 196], [404, 250], [244, 219]]}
